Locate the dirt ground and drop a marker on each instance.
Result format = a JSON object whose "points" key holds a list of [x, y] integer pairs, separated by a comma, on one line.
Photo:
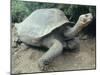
{"points": [[24, 60]]}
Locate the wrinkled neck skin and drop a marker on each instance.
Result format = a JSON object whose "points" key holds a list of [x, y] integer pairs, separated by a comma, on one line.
{"points": [[72, 32]]}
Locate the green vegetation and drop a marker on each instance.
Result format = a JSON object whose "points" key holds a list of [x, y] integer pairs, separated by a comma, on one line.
{"points": [[21, 9]]}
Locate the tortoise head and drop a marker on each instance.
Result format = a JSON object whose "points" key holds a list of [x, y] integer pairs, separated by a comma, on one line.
{"points": [[85, 19]]}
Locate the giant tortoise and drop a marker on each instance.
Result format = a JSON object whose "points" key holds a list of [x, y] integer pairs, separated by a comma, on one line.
{"points": [[50, 28]]}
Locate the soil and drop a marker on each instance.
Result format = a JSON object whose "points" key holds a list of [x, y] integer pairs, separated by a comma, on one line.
{"points": [[24, 60]]}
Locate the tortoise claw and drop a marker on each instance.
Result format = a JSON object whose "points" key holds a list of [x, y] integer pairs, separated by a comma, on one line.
{"points": [[43, 65]]}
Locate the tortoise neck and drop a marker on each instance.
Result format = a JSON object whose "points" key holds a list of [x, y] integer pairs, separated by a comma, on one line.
{"points": [[77, 28], [74, 30]]}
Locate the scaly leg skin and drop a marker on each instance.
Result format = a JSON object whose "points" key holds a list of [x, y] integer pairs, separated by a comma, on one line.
{"points": [[55, 49]]}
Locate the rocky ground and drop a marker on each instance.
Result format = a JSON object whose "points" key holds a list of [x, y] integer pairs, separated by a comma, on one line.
{"points": [[24, 60]]}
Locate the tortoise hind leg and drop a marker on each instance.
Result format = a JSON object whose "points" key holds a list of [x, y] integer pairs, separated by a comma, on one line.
{"points": [[55, 49]]}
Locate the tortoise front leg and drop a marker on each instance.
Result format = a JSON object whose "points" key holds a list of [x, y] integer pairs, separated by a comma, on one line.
{"points": [[55, 49], [73, 44]]}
